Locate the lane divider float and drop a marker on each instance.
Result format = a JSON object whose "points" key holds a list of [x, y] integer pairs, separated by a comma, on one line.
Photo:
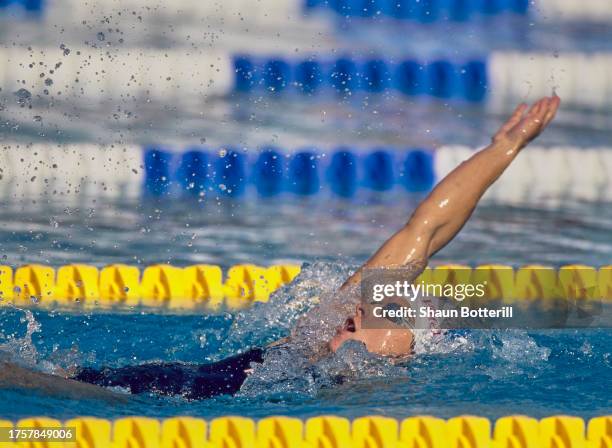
{"points": [[267, 15], [272, 171], [502, 78], [418, 11], [580, 173], [301, 13], [441, 78], [574, 10], [195, 286], [159, 285], [32, 8], [559, 431], [71, 172]]}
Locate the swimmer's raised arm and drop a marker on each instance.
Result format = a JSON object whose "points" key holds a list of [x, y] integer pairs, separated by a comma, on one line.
{"points": [[444, 212]]}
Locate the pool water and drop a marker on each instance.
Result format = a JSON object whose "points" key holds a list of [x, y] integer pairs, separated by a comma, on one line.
{"points": [[488, 373], [485, 373], [291, 230]]}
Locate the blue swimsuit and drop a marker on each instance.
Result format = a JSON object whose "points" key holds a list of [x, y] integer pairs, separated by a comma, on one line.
{"points": [[192, 381]]}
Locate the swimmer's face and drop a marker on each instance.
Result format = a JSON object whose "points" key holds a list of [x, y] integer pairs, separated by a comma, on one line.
{"points": [[387, 342]]}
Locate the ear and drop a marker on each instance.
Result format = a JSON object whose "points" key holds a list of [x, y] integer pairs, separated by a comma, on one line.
{"points": [[359, 311]]}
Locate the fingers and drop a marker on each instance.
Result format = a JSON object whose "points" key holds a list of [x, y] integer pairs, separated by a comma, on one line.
{"points": [[514, 119], [519, 110], [524, 127], [540, 114], [536, 107], [545, 111], [540, 110], [552, 109]]}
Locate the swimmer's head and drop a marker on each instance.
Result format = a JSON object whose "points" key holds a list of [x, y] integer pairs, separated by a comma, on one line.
{"points": [[396, 342]]}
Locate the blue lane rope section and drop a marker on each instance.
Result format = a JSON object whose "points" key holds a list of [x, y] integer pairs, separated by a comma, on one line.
{"points": [[32, 7], [271, 172], [420, 11], [438, 78]]}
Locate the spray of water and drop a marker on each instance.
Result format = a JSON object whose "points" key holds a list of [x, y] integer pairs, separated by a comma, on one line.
{"points": [[310, 311], [22, 349], [267, 322]]}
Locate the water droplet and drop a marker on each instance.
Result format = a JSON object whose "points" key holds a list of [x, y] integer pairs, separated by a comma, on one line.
{"points": [[23, 96]]}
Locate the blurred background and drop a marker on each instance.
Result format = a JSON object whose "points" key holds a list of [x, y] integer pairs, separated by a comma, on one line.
{"points": [[299, 72]]}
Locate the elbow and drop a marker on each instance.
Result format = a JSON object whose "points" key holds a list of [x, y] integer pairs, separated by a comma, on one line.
{"points": [[426, 220]]}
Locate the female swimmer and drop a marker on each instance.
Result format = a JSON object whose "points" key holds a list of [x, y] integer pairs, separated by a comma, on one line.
{"points": [[432, 225]]}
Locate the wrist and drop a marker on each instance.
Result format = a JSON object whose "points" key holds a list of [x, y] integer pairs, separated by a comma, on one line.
{"points": [[508, 145]]}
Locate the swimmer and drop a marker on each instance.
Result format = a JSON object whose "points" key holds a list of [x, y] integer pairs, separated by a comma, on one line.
{"points": [[432, 225], [437, 220]]}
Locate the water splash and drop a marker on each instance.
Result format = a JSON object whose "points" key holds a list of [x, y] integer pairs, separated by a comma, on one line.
{"points": [[267, 322], [310, 310], [512, 352], [287, 375], [24, 97], [518, 346], [22, 350]]}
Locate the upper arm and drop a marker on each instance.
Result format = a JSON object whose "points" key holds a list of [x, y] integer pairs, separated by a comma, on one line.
{"points": [[411, 245]]}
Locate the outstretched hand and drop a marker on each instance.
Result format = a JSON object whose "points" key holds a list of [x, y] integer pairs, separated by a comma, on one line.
{"points": [[523, 126]]}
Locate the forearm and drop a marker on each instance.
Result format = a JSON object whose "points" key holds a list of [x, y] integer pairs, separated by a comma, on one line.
{"points": [[452, 201], [444, 212], [14, 376], [465, 185]]}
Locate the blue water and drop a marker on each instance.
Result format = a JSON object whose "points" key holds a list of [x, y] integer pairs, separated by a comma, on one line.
{"points": [[490, 373], [290, 231]]}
